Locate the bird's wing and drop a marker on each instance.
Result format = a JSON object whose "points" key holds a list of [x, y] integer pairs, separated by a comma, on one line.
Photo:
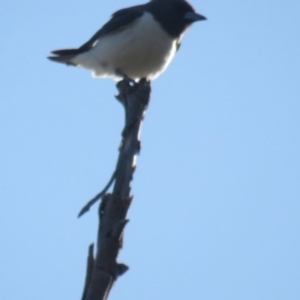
{"points": [[119, 19]]}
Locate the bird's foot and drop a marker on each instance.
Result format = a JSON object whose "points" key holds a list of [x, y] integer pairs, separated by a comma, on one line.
{"points": [[126, 78]]}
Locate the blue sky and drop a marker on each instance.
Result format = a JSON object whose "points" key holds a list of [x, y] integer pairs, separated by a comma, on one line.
{"points": [[216, 206]]}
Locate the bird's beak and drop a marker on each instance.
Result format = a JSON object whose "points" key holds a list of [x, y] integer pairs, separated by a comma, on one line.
{"points": [[194, 17]]}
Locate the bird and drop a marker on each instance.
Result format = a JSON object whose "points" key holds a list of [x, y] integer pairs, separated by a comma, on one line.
{"points": [[138, 42]]}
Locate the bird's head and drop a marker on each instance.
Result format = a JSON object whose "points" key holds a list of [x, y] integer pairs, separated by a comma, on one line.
{"points": [[177, 15]]}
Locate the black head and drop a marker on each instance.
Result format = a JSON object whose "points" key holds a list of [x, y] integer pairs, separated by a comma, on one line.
{"points": [[175, 16]]}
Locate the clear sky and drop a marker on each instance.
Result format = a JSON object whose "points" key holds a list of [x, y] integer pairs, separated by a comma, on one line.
{"points": [[216, 205]]}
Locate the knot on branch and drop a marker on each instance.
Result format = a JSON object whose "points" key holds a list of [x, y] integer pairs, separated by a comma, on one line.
{"points": [[122, 268]]}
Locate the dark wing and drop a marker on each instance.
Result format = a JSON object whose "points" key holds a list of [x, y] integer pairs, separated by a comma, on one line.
{"points": [[119, 19]]}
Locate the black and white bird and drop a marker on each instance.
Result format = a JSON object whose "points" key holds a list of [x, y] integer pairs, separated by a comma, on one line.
{"points": [[137, 42]]}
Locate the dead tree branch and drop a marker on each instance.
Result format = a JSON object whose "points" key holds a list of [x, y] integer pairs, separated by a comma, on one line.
{"points": [[103, 270]]}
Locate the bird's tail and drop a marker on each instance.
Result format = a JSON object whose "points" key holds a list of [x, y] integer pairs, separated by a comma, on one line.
{"points": [[64, 56]]}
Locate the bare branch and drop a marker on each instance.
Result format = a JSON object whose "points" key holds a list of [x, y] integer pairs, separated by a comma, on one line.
{"points": [[89, 270], [113, 207], [98, 196]]}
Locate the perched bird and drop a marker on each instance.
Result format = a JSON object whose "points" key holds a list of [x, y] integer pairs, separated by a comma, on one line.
{"points": [[137, 42]]}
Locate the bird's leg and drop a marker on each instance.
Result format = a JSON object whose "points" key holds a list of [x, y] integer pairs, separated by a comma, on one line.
{"points": [[126, 78], [144, 81]]}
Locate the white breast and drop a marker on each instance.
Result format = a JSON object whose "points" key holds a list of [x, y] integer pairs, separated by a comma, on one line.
{"points": [[141, 50]]}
